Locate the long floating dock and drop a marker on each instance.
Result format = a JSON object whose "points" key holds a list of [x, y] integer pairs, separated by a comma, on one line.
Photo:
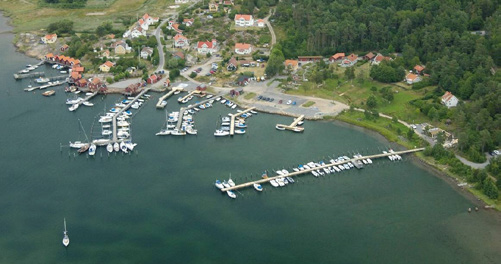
{"points": [[167, 95], [233, 116], [114, 119], [28, 75], [292, 174], [188, 95], [293, 126], [29, 89]]}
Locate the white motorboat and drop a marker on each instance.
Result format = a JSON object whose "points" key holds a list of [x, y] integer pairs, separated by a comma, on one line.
{"points": [[279, 172], [223, 101], [86, 103], [219, 184], [218, 98], [226, 184], [279, 127], [209, 96], [234, 106], [116, 147], [128, 113], [135, 105], [130, 145], [77, 144], [231, 182], [300, 123], [66, 238], [42, 80], [92, 149], [290, 179], [258, 187], [253, 112], [106, 132], [285, 172], [73, 107], [226, 119], [221, 133], [163, 103], [115, 110], [163, 132], [240, 125], [231, 194], [240, 131], [123, 123], [123, 134], [225, 123], [109, 147], [274, 183], [280, 182], [295, 169], [105, 119], [177, 132], [190, 130], [369, 161], [123, 147], [314, 173]]}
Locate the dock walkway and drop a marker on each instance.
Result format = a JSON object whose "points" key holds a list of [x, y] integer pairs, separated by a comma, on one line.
{"points": [[233, 116], [41, 87], [293, 126], [183, 109], [114, 119], [292, 174], [167, 95]]}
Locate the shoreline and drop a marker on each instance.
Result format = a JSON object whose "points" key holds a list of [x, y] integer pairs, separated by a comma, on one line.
{"points": [[436, 171], [333, 118]]}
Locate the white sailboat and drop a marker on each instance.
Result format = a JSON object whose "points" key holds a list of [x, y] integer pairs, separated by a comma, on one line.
{"points": [[66, 238], [165, 131], [109, 147]]}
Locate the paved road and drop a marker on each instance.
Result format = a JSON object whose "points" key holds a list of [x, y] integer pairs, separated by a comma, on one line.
{"points": [[273, 36], [160, 47]]}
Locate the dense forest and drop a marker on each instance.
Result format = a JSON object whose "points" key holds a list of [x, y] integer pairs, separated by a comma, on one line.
{"points": [[459, 42]]}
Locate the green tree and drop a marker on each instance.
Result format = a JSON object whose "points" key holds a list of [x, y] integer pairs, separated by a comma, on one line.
{"points": [[371, 102], [490, 189]]}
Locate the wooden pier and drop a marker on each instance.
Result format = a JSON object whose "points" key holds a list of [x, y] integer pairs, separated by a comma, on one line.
{"points": [[306, 171], [29, 89], [28, 75], [114, 119], [233, 116], [183, 109], [188, 95], [167, 95], [293, 126]]}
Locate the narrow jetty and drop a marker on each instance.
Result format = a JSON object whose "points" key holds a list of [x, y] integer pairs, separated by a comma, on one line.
{"points": [[28, 75], [114, 119], [183, 109], [233, 116], [167, 95], [29, 89], [293, 126], [292, 174]]}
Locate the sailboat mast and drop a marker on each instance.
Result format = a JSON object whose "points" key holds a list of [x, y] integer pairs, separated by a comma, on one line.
{"points": [[65, 225]]}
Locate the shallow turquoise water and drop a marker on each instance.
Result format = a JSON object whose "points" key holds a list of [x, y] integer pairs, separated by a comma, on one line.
{"points": [[158, 205]]}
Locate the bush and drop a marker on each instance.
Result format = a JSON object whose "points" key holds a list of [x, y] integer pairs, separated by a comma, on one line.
{"points": [[193, 75]]}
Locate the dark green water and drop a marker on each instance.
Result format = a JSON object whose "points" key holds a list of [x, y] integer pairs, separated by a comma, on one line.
{"points": [[158, 205]]}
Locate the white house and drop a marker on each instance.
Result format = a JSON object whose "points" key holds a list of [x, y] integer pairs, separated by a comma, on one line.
{"points": [[150, 20], [142, 24], [449, 100], [137, 32], [146, 51], [126, 34], [244, 20], [205, 47], [243, 48], [181, 41], [260, 23], [49, 39]]}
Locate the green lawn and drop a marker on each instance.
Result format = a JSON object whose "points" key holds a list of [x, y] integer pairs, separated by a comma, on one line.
{"points": [[308, 104], [249, 96]]}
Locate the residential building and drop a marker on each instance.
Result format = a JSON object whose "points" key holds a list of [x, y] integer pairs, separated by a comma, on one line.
{"points": [[243, 48], [120, 47], [188, 22], [419, 69], [449, 100], [379, 58], [181, 41], [153, 79], [337, 57], [64, 47], [306, 59], [146, 52], [105, 53], [178, 55], [137, 32], [105, 67], [150, 20], [260, 23], [412, 78], [232, 64], [213, 7], [369, 56], [349, 61], [49, 39], [291, 65], [96, 84], [205, 47], [244, 20]]}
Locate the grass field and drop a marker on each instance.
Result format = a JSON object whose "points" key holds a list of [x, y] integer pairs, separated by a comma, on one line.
{"points": [[355, 92], [26, 15]]}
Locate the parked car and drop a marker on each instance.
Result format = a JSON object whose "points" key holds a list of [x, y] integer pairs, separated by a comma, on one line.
{"points": [[280, 101], [294, 103], [289, 102], [208, 74], [260, 97], [272, 99]]}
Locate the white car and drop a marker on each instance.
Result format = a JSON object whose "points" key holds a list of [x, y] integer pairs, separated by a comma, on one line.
{"points": [[289, 102]]}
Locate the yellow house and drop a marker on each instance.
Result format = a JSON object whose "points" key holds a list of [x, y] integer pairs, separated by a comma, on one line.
{"points": [[49, 39], [213, 7], [105, 67]]}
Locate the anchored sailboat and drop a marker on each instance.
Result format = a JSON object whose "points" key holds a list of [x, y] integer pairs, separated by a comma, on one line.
{"points": [[66, 239]]}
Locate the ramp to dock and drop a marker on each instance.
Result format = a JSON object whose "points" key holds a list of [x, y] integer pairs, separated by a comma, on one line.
{"points": [[293, 126], [114, 119]]}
